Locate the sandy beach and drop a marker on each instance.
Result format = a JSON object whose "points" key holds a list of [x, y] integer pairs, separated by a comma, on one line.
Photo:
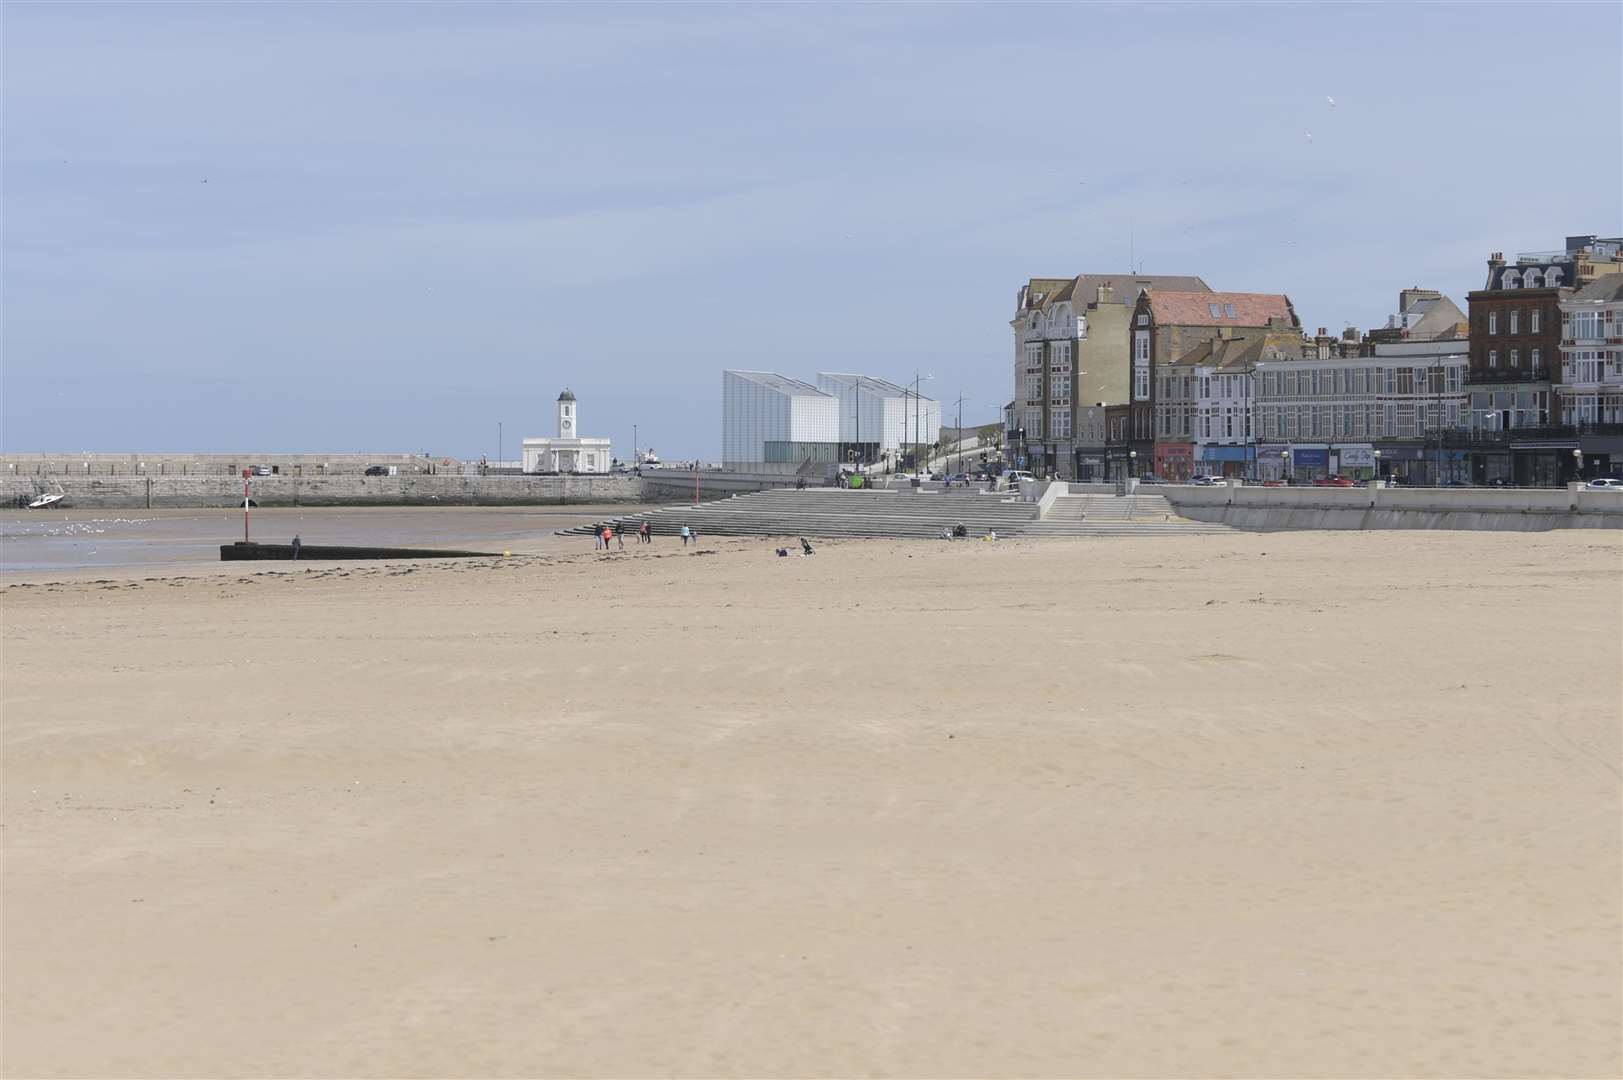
{"points": [[1311, 804]]}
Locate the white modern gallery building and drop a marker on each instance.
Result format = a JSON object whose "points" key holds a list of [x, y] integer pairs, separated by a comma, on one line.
{"points": [[782, 423]]}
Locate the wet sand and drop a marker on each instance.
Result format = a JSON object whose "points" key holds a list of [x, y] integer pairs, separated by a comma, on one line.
{"points": [[1317, 804], [43, 542]]}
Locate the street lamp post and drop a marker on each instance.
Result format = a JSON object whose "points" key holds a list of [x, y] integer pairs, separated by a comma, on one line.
{"points": [[1377, 475], [960, 431], [1578, 463], [1132, 463], [1285, 465]]}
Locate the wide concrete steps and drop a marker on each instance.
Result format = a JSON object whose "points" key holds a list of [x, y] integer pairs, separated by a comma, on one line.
{"points": [[831, 513]]}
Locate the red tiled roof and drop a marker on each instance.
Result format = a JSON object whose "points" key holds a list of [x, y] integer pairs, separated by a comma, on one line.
{"points": [[1194, 308]]}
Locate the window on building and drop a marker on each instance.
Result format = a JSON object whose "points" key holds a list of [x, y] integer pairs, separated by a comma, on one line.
{"points": [[1493, 358], [1143, 319], [1034, 423], [1515, 358], [1533, 321], [1511, 279], [1217, 312], [1515, 321], [1535, 360], [1062, 424], [1493, 322], [1034, 387], [1228, 309], [1552, 277], [1059, 389]]}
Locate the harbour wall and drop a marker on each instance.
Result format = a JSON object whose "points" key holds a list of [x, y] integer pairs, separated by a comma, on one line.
{"points": [[1263, 509], [190, 492]]}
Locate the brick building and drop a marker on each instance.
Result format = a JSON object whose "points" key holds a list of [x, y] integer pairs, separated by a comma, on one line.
{"points": [[1518, 431]]}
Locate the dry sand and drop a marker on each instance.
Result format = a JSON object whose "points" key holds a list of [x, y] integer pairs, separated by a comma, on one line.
{"points": [[1286, 805]]}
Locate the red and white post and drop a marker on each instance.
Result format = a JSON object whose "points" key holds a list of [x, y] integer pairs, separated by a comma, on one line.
{"points": [[245, 474]]}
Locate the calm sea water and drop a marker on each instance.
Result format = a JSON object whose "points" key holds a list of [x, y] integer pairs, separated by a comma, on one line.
{"points": [[88, 539]]}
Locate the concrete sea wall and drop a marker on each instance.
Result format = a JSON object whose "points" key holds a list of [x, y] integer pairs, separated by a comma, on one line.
{"points": [[159, 492], [1268, 509]]}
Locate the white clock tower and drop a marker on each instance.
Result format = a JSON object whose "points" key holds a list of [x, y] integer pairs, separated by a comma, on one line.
{"points": [[567, 452], [566, 415]]}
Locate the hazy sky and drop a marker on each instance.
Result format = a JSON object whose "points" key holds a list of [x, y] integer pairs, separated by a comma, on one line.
{"points": [[339, 227]]}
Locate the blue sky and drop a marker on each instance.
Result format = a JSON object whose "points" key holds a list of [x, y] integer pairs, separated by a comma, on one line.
{"points": [[375, 227]]}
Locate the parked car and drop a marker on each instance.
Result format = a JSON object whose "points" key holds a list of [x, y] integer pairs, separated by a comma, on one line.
{"points": [[1151, 478], [1333, 481], [1605, 483], [1500, 481], [1208, 481], [377, 470], [261, 470], [1455, 483], [959, 478], [1013, 478], [1276, 483]]}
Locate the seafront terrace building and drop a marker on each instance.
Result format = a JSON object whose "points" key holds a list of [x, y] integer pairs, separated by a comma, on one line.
{"points": [[1205, 421], [1591, 388], [1360, 416], [1071, 336], [1517, 431], [1168, 324]]}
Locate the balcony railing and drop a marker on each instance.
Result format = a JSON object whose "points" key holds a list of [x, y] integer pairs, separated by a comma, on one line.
{"points": [[1507, 375], [1543, 432]]}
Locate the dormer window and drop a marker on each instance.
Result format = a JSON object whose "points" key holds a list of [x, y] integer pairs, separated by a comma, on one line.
{"points": [[1511, 280], [1552, 278], [1530, 280]]}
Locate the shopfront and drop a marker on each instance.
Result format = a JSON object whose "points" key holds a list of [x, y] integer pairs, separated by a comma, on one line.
{"points": [[1174, 461], [1356, 462], [1234, 461], [1309, 463], [1090, 466]]}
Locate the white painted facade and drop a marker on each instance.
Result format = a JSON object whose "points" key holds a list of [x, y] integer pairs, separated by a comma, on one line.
{"points": [[1591, 387], [1356, 399], [568, 452]]}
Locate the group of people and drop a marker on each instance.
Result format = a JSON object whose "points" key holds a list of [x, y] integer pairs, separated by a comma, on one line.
{"points": [[612, 533]]}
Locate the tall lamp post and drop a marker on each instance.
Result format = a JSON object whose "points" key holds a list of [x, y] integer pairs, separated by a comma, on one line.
{"points": [[1377, 475], [1132, 463], [1285, 465], [1578, 463], [960, 431], [918, 431]]}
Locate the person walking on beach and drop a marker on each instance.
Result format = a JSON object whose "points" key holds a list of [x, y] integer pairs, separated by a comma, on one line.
{"points": [[686, 535], [607, 533], [645, 534], [620, 534], [297, 543]]}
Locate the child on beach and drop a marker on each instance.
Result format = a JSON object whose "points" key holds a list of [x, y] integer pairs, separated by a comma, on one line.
{"points": [[686, 535]]}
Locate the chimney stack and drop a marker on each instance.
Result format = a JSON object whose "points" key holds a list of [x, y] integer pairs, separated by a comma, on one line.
{"points": [[1103, 293]]}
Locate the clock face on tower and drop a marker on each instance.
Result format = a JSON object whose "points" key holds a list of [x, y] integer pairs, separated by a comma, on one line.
{"points": [[566, 426]]}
